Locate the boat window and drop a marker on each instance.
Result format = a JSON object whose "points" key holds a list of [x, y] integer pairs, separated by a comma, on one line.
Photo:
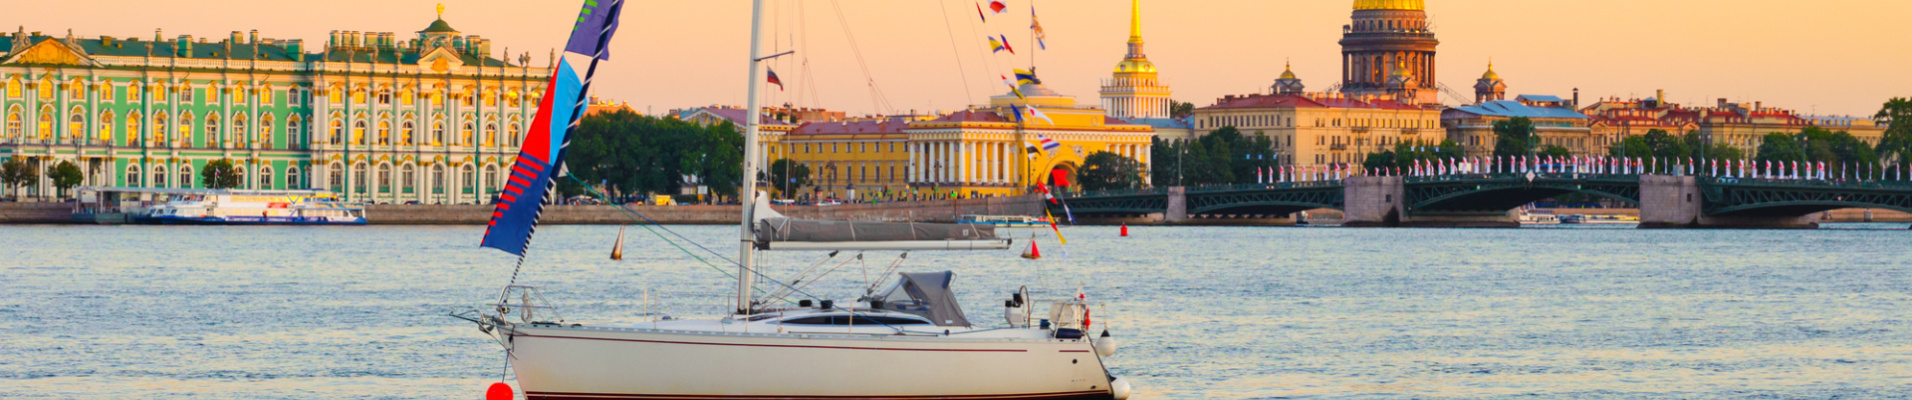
{"points": [[860, 320]]}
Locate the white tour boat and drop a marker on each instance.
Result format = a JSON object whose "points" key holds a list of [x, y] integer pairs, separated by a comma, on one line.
{"points": [[252, 207], [909, 341], [1005, 221]]}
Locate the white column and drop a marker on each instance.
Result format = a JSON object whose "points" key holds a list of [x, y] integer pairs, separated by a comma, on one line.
{"points": [[914, 164], [967, 156], [942, 162]]}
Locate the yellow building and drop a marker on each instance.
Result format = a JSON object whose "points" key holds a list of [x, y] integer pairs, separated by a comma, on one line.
{"points": [[1135, 92], [1322, 128], [983, 151]]}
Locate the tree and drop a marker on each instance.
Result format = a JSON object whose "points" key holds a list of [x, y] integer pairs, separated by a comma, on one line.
{"points": [[1514, 137], [788, 176], [1896, 146], [1838, 150], [1104, 170], [64, 176], [17, 173], [1555, 151], [219, 174], [1178, 109]]}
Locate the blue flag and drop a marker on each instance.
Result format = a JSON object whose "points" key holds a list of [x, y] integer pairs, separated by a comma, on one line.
{"points": [[595, 24]]}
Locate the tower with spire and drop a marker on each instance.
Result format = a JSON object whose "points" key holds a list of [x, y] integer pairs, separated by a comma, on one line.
{"points": [[1489, 87], [1135, 91], [1289, 83]]}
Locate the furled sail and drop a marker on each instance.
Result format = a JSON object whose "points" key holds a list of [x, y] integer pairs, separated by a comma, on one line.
{"points": [[773, 231], [515, 217]]}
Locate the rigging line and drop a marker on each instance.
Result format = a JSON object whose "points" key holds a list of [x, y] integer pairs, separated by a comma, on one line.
{"points": [[876, 98], [960, 71], [981, 51]]}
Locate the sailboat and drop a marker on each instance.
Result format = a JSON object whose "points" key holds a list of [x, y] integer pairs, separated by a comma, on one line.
{"points": [[910, 340]]}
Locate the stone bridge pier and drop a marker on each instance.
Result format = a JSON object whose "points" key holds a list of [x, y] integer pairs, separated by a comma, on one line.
{"points": [[1677, 202]]}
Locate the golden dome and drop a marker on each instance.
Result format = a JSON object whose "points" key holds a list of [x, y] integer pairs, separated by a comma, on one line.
{"points": [[1135, 65], [1490, 75], [1289, 73], [1416, 5]]}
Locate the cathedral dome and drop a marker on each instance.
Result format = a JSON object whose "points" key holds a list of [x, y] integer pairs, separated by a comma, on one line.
{"points": [[1490, 75], [1416, 5], [1135, 65], [1289, 73]]}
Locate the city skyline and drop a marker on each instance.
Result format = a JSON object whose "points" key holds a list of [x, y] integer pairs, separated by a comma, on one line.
{"points": [[1823, 59]]}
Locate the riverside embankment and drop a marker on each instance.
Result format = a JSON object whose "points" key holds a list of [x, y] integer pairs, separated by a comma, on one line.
{"points": [[379, 214]]}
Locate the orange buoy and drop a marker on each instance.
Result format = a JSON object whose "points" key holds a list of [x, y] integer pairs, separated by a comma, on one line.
{"points": [[499, 391], [1125, 229], [1034, 253]]}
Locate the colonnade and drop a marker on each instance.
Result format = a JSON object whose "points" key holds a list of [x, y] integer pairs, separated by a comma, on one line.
{"points": [[960, 162]]}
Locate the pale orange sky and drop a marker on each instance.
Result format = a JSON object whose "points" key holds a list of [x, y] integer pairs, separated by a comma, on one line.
{"points": [[1832, 56]]}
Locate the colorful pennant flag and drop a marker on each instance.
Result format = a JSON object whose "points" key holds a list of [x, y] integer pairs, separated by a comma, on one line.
{"points": [[1024, 77], [1048, 145], [1013, 89], [1036, 27], [998, 46]]}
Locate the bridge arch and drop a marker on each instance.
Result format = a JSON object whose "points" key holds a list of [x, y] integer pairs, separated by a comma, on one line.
{"points": [[1506, 194]]}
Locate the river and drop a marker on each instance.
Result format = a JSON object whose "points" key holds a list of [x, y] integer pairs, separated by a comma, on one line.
{"points": [[1203, 312]]}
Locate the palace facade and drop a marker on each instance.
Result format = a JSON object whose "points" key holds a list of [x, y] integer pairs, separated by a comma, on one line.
{"points": [[1322, 128], [1741, 125], [434, 118]]}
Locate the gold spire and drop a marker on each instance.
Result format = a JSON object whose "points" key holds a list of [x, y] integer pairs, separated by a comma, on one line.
{"points": [[441, 10], [1135, 21]]}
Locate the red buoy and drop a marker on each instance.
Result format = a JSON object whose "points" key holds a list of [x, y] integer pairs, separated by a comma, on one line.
{"points": [[1125, 229], [1034, 252], [500, 391]]}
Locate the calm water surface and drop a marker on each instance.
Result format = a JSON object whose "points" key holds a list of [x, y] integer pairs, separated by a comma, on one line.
{"points": [[143, 312]]}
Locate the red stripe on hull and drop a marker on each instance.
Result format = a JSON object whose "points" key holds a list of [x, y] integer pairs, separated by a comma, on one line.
{"points": [[1097, 395], [783, 345]]}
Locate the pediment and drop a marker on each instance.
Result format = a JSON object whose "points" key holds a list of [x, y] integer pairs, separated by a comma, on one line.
{"points": [[50, 52], [441, 60]]}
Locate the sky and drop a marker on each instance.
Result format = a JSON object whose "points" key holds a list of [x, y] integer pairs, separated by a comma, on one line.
{"points": [[899, 56]]}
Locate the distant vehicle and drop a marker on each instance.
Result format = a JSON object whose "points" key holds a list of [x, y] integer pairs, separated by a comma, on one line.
{"points": [[829, 203], [663, 200]]}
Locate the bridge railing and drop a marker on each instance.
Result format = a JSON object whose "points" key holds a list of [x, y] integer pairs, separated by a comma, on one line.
{"points": [[1118, 192], [1515, 176], [1265, 186], [1812, 183]]}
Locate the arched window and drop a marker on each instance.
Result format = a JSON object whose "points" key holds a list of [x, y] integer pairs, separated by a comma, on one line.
{"points": [[105, 134], [491, 134], [45, 123], [292, 131], [491, 97], [13, 88], [384, 96], [185, 175], [338, 131], [384, 132], [132, 129], [76, 91], [159, 91], [405, 133], [292, 178], [76, 126], [465, 135], [438, 179], [466, 175], [491, 177], [337, 181], [438, 97], [265, 94], [185, 130], [13, 123], [132, 176], [438, 133], [159, 127], [240, 169], [132, 91], [359, 183], [407, 96], [159, 176], [265, 131], [406, 176], [511, 98], [513, 132], [384, 178], [239, 125], [265, 178], [358, 95], [185, 96], [358, 132], [238, 93], [212, 129], [335, 93], [45, 89]]}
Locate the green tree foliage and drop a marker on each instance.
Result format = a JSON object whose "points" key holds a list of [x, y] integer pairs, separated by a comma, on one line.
{"points": [[1224, 156], [1178, 109], [65, 176], [1555, 151], [1839, 150], [630, 155], [788, 176], [1405, 154], [219, 174], [1104, 171], [1514, 137], [16, 173], [1896, 146]]}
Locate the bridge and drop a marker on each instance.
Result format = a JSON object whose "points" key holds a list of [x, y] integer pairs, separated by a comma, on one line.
{"points": [[1665, 201]]}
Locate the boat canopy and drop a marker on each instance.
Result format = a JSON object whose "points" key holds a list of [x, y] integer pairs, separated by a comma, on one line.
{"points": [[925, 294], [774, 231]]}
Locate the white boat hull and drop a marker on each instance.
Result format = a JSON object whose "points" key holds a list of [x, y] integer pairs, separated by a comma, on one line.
{"points": [[557, 363]]}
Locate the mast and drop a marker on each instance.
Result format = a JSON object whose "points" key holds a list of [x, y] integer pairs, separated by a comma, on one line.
{"points": [[746, 253]]}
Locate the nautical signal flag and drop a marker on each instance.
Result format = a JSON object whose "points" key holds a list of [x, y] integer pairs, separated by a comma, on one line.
{"points": [[594, 25], [773, 79], [1048, 145], [1025, 77], [1037, 114], [997, 46], [1013, 89], [1036, 27], [979, 13], [997, 6]]}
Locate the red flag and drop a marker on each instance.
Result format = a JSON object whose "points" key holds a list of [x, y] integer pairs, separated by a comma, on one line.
{"points": [[1061, 177], [998, 6]]}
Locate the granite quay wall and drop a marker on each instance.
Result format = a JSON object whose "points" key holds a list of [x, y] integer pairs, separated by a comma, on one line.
{"points": [[36, 213], [917, 211]]}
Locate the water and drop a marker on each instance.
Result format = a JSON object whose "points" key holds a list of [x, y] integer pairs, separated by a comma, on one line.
{"points": [[358, 312]]}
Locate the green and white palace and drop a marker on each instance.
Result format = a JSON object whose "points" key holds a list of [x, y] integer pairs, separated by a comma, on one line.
{"points": [[433, 119]]}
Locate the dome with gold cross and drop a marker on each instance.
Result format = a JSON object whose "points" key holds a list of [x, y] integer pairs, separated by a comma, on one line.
{"points": [[1416, 5]]}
